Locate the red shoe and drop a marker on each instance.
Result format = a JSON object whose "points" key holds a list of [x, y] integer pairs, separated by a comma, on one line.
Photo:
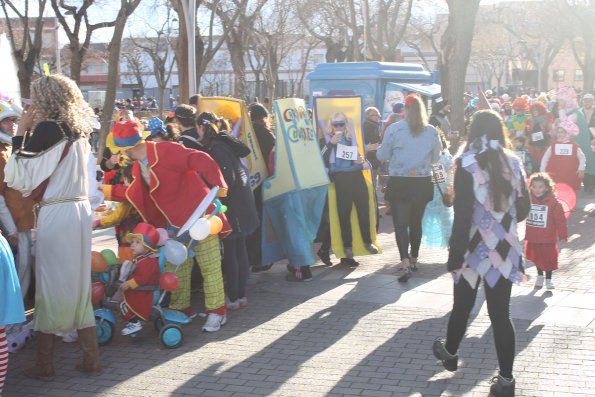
{"points": [[190, 312]]}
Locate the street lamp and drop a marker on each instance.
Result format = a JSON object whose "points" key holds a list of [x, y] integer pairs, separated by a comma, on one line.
{"points": [[189, 7]]}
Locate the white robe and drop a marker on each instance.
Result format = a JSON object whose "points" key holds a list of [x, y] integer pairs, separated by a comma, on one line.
{"points": [[63, 245]]}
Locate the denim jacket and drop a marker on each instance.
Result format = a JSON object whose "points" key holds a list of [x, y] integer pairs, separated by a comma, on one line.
{"points": [[410, 155]]}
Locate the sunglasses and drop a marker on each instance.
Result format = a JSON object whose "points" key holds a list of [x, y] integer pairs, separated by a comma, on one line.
{"points": [[338, 124]]}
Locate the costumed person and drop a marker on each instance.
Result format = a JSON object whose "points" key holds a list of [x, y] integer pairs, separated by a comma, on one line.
{"points": [[490, 199], [169, 182], [568, 109], [16, 211], [564, 160], [545, 225], [52, 170], [589, 113], [184, 117], [157, 130], [261, 123], [410, 146], [372, 140], [241, 213], [12, 310], [350, 185], [437, 220], [136, 305], [540, 127], [519, 121], [523, 154]]}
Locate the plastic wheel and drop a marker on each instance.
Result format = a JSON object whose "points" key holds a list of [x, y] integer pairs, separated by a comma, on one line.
{"points": [[104, 329], [159, 324], [171, 336]]}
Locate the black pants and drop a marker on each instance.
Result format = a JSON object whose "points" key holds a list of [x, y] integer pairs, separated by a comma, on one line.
{"points": [[407, 217], [350, 188], [235, 267], [589, 182], [254, 241], [498, 300], [324, 230], [548, 273]]}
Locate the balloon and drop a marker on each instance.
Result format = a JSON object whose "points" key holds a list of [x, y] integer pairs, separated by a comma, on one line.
{"points": [[223, 209], [163, 236], [200, 230], [567, 196], [97, 293], [125, 254], [98, 262], [110, 256], [175, 252], [216, 224], [169, 281]]}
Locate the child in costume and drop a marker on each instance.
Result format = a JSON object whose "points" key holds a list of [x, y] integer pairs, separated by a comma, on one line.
{"points": [[12, 310], [136, 305], [519, 121], [539, 129], [544, 227], [437, 220], [564, 160], [522, 153]]}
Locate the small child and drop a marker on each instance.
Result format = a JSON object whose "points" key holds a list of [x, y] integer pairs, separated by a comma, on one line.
{"points": [[137, 305], [544, 227], [564, 160], [521, 151]]}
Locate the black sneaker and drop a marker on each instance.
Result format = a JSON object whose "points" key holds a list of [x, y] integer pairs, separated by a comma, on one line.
{"points": [[449, 362], [325, 257], [302, 274], [502, 387], [261, 268], [405, 276], [350, 262]]}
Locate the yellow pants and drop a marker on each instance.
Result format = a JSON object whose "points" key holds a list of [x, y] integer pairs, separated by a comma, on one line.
{"points": [[208, 258]]}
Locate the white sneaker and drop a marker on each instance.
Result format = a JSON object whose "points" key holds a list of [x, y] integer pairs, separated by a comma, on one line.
{"points": [[214, 322], [131, 327], [549, 284], [70, 337], [243, 301], [539, 281]]}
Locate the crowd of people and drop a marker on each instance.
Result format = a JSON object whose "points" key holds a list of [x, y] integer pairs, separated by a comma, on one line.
{"points": [[160, 170]]}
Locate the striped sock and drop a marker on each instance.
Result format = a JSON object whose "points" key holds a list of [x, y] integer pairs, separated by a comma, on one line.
{"points": [[3, 357]]}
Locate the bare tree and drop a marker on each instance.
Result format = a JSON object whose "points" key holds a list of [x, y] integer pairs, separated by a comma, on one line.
{"points": [[81, 26], [455, 49], [25, 36], [127, 7], [580, 15], [135, 64], [422, 36]]}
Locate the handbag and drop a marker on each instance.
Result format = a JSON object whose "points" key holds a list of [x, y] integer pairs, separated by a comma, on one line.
{"points": [[447, 196]]}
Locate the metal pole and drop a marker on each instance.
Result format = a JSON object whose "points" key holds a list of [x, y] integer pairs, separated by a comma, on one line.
{"points": [[58, 60], [189, 7]]}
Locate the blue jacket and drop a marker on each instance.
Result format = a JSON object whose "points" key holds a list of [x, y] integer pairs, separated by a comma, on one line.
{"points": [[410, 155]]}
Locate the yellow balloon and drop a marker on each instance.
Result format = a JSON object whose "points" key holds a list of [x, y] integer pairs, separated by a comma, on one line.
{"points": [[216, 224]]}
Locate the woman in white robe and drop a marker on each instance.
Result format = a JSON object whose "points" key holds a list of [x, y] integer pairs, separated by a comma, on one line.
{"points": [[55, 155]]}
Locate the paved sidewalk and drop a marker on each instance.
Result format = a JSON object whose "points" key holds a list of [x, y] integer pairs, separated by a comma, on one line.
{"points": [[354, 332]]}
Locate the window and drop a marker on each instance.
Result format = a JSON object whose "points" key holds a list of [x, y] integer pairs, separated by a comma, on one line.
{"points": [[578, 74], [559, 75]]}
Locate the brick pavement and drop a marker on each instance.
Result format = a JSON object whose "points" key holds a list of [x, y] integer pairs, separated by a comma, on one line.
{"points": [[353, 332]]}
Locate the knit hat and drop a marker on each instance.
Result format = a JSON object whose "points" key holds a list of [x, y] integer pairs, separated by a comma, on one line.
{"points": [[7, 110], [156, 126], [439, 104], [185, 112], [125, 135], [146, 234], [258, 111], [398, 108], [570, 128]]}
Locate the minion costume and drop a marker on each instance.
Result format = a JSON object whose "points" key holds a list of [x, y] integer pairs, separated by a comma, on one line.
{"points": [[167, 186]]}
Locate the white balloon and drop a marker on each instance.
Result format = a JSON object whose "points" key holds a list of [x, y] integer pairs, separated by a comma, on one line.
{"points": [[175, 252], [200, 230]]}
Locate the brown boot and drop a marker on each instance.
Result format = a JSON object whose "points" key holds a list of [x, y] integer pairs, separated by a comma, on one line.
{"points": [[44, 366], [90, 348]]}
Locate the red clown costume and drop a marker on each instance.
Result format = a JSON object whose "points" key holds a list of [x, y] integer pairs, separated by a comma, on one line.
{"points": [[168, 185], [144, 271]]}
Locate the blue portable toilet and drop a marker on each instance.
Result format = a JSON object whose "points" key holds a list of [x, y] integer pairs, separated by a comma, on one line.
{"points": [[380, 84]]}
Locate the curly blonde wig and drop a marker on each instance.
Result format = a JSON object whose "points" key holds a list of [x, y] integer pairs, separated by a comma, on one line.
{"points": [[340, 116], [57, 97]]}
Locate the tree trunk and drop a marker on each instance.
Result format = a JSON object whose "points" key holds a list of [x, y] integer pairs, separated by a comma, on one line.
{"points": [[236, 53], [76, 61], [25, 82], [455, 49], [182, 55], [161, 99]]}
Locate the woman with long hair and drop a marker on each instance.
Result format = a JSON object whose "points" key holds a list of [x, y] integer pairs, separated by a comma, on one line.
{"points": [[410, 146], [490, 199], [52, 169], [241, 210]]}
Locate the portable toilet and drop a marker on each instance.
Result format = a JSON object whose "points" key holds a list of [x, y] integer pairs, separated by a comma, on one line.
{"points": [[380, 84]]}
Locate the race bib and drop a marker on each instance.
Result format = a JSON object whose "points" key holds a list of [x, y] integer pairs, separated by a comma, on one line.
{"points": [[521, 155], [537, 216], [346, 152], [438, 173], [563, 149], [520, 134], [537, 136]]}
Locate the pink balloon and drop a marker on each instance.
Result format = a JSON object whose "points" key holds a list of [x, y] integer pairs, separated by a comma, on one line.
{"points": [[567, 196], [163, 236]]}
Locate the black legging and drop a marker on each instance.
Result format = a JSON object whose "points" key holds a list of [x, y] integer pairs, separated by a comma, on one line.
{"points": [[548, 274], [498, 300], [235, 267], [407, 216], [350, 188]]}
